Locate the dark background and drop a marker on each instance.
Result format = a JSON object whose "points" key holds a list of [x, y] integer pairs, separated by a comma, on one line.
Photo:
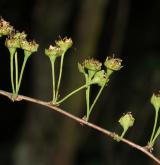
{"points": [[33, 135]]}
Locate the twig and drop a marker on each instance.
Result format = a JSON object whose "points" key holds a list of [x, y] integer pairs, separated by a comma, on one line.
{"points": [[81, 121]]}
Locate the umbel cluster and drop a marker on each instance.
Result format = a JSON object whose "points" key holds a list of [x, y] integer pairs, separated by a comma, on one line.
{"points": [[94, 72]]}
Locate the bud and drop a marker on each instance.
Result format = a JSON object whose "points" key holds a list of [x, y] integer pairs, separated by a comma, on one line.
{"points": [[64, 44], [5, 27], [112, 64], [100, 78], [155, 101], [126, 121]]}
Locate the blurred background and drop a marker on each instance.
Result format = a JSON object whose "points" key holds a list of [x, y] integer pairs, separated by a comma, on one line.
{"points": [[33, 135]]}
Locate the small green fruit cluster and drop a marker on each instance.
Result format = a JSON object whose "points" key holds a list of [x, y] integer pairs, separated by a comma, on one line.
{"points": [[59, 50], [14, 41], [155, 101], [94, 74]]}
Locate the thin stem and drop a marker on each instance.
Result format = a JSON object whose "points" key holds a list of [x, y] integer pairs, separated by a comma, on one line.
{"points": [[16, 69], [99, 93], [21, 73], [154, 127], [72, 93], [155, 137], [81, 121], [12, 72], [88, 102], [123, 133], [53, 81], [60, 75], [95, 100], [87, 96], [119, 138]]}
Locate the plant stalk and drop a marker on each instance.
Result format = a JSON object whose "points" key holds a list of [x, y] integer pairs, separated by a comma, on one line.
{"points": [[60, 75], [154, 127], [16, 69], [53, 81], [21, 73], [72, 93], [12, 72], [97, 97], [155, 137]]}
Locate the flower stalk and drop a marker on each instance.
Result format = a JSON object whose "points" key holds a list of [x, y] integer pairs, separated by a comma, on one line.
{"points": [[126, 121], [155, 101], [12, 71], [53, 52], [91, 69], [13, 42], [16, 69], [60, 76]]}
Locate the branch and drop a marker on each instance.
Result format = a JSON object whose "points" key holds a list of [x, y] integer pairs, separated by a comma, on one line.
{"points": [[81, 121]]}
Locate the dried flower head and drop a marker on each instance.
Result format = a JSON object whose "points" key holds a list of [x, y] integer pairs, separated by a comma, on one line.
{"points": [[92, 64], [5, 27], [31, 46], [20, 36], [14, 40], [155, 101], [64, 44], [126, 121], [113, 64], [53, 51], [90, 67]]}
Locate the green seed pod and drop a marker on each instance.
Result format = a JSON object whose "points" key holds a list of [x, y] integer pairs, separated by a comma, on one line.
{"points": [[64, 44], [126, 121], [12, 45], [90, 67], [92, 64], [113, 64], [53, 52], [5, 27], [14, 40], [155, 101], [100, 78], [31, 46]]}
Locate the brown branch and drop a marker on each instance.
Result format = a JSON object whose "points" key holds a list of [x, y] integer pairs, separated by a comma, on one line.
{"points": [[81, 121]]}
